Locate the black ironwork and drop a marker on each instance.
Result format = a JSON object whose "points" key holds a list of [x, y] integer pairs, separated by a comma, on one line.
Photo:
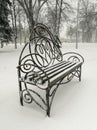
{"points": [[40, 61]]}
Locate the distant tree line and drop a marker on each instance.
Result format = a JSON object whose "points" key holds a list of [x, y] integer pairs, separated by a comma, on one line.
{"points": [[22, 15], [5, 29], [18, 17], [87, 23]]}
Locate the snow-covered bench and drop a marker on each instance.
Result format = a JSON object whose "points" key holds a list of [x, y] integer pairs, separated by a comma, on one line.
{"points": [[42, 68]]}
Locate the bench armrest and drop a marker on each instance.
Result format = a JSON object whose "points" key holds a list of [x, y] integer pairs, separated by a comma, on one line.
{"points": [[73, 57], [33, 75]]}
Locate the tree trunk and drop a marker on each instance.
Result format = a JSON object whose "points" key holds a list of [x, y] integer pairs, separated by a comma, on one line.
{"points": [[59, 18], [2, 44], [15, 33], [14, 24], [20, 35]]}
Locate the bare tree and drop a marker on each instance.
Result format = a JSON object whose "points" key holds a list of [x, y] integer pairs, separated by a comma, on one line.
{"points": [[5, 29], [56, 13], [32, 9], [77, 28], [14, 19], [86, 21], [87, 16], [20, 24]]}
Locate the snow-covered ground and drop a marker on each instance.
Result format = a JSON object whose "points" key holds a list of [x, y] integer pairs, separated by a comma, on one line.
{"points": [[75, 104]]}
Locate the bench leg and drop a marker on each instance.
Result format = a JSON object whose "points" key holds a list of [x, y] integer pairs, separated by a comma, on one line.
{"points": [[20, 93], [48, 103]]}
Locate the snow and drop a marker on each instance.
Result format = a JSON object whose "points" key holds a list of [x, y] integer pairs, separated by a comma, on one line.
{"points": [[75, 103]]}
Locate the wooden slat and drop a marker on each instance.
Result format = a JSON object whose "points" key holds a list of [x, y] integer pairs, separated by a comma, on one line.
{"points": [[54, 66], [54, 69], [64, 73], [58, 71]]}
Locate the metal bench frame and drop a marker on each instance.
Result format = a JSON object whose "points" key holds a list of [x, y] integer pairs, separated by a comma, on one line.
{"points": [[42, 51]]}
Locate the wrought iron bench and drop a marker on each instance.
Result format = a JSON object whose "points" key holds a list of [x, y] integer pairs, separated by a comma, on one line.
{"points": [[42, 68]]}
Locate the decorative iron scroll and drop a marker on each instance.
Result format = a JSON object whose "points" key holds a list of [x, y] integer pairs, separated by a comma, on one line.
{"points": [[73, 57], [39, 53], [43, 49], [30, 96]]}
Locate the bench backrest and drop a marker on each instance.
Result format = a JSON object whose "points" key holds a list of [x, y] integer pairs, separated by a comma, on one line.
{"points": [[42, 50]]}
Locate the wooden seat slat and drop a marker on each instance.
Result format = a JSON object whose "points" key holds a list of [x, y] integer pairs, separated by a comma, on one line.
{"points": [[51, 75], [54, 69], [64, 73], [47, 69]]}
